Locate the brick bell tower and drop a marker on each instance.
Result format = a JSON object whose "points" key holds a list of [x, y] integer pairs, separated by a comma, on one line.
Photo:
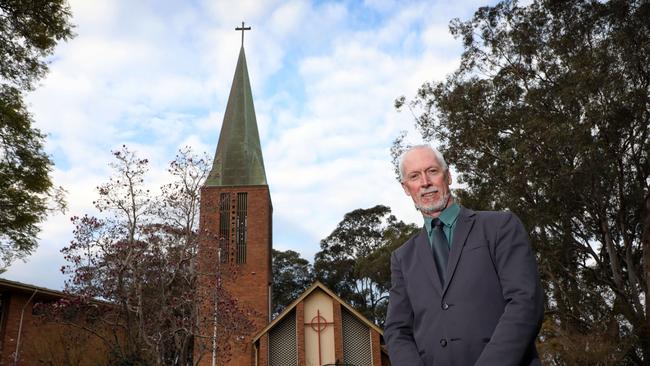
{"points": [[234, 282]]}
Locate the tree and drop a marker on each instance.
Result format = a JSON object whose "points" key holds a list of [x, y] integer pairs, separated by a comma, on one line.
{"points": [[548, 116], [354, 260], [292, 275], [29, 31], [108, 255], [141, 255]]}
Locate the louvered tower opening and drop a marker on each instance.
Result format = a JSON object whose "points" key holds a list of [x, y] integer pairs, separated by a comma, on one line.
{"points": [[241, 224], [224, 227]]}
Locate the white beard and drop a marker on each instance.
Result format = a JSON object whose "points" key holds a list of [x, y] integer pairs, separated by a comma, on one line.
{"points": [[436, 206]]}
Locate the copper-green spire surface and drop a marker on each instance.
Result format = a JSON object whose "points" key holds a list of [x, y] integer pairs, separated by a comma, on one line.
{"points": [[238, 160]]}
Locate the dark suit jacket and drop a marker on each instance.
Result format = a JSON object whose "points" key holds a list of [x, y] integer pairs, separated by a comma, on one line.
{"points": [[488, 313]]}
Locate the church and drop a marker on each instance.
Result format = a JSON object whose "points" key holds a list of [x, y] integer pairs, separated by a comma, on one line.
{"points": [[235, 274]]}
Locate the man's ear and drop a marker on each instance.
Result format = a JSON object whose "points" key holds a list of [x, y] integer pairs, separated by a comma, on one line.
{"points": [[448, 177], [405, 189]]}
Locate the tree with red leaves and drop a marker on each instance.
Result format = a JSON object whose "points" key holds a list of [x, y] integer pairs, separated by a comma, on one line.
{"points": [[139, 254]]}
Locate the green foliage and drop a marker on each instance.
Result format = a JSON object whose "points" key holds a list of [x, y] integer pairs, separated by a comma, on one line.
{"points": [[354, 260], [548, 116], [292, 275], [29, 31], [24, 178], [398, 147]]}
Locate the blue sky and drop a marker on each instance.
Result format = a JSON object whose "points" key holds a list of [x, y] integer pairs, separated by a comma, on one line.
{"points": [[155, 75]]}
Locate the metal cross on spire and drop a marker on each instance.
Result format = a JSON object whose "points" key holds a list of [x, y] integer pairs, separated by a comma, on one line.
{"points": [[242, 29]]}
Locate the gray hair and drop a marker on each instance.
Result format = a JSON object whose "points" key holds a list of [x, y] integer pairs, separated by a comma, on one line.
{"points": [[436, 153]]}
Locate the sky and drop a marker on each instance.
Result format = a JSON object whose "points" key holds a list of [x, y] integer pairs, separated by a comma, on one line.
{"points": [[155, 75]]}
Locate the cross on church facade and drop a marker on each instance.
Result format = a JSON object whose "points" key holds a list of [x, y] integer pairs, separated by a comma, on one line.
{"points": [[318, 324], [242, 29]]}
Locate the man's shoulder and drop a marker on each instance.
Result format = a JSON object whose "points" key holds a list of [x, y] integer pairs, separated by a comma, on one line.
{"points": [[494, 221], [490, 216], [409, 244]]}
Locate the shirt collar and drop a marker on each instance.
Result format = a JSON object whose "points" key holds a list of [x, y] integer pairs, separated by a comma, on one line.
{"points": [[448, 216]]}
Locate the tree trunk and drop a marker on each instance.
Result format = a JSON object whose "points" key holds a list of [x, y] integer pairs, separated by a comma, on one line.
{"points": [[644, 334]]}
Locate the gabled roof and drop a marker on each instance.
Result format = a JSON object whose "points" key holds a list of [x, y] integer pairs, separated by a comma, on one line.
{"points": [[41, 292], [238, 160], [6, 284], [314, 286]]}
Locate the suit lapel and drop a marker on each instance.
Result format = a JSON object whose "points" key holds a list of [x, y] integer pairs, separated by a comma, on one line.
{"points": [[461, 231], [425, 257]]}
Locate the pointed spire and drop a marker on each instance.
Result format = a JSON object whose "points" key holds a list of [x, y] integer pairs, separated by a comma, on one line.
{"points": [[238, 160]]}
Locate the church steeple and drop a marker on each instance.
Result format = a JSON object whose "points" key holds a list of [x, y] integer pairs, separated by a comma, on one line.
{"points": [[238, 160], [235, 236]]}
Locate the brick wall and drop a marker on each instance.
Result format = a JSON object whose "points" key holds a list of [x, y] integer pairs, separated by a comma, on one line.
{"points": [[248, 283], [13, 304], [300, 323], [376, 348], [338, 331], [41, 341]]}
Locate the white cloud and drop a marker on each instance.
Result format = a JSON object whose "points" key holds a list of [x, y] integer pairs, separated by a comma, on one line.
{"points": [[156, 76]]}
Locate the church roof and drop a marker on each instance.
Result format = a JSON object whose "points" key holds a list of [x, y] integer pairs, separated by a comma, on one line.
{"points": [[314, 286], [42, 292], [238, 160]]}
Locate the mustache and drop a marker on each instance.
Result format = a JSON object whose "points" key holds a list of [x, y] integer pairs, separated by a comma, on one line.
{"points": [[424, 191]]}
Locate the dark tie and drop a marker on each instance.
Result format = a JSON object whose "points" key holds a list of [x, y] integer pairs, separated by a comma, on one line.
{"points": [[440, 248]]}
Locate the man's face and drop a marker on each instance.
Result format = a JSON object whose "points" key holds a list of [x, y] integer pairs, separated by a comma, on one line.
{"points": [[425, 181]]}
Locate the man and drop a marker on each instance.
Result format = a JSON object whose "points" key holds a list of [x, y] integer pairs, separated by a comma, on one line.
{"points": [[465, 290]]}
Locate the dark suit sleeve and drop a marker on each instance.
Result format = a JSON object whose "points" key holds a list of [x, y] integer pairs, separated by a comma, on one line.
{"points": [[515, 334], [398, 329]]}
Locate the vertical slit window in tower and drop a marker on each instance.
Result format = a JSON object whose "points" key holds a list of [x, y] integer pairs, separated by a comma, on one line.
{"points": [[241, 226], [224, 227]]}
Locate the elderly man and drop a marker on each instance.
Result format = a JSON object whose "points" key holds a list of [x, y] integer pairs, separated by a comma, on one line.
{"points": [[465, 289]]}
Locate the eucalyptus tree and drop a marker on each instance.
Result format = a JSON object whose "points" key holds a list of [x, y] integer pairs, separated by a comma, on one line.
{"points": [[548, 115], [292, 275], [354, 260]]}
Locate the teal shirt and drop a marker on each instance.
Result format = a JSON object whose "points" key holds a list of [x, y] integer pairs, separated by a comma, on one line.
{"points": [[448, 216]]}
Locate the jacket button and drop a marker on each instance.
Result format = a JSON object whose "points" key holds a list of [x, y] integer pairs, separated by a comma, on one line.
{"points": [[445, 306], [443, 342]]}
